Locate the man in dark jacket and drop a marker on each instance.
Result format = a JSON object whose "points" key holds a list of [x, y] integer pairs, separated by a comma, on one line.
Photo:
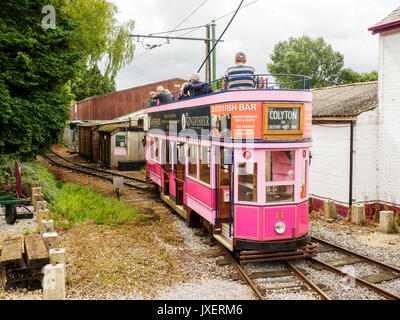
{"points": [[164, 95], [196, 87]]}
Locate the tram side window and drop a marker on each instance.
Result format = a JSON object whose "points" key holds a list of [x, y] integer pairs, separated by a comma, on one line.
{"points": [[192, 149], [303, 191], [279, 167], [157, 149], [247, 182], [152, 148], [205, 171]]}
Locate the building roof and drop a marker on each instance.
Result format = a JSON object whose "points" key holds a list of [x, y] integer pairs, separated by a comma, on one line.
{"points": [[391, 22], [347, 100]]}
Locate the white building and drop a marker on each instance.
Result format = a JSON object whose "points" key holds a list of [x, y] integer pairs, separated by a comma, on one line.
{"points": [[343, 165], [364, 118]]}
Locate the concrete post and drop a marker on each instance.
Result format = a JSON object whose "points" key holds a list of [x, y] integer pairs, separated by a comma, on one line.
{"points": [[41, 205], [57, 256], [47, 226], [330, 210], [358, 214], [50, 240], [42, 215], [54, 282], [36, 190], [386, 222], [35, 198]]}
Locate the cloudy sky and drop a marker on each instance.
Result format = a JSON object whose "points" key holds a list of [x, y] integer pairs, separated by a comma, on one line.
{"points": [[255, 30]]}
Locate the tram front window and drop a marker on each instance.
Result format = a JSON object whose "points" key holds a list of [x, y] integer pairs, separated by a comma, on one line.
{"points": [[279, 193], [247, 182]]}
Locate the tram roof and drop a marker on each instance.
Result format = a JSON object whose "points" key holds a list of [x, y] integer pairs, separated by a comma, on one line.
{"points": [[345, 100]]}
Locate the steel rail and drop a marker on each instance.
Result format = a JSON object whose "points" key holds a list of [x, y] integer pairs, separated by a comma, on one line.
{"points": [[96, 169], [359, 281], [241, 272], [306, 280], [92, 172], [358, 255]]}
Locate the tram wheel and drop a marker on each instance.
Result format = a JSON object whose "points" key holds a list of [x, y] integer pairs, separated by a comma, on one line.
{"points": [[11, 214]]}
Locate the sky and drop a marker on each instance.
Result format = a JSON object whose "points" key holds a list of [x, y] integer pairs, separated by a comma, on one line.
{"points": [[255, 31]]}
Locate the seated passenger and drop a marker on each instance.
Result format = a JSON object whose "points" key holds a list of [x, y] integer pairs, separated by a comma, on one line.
{"points": [[240, 76], [153, 100], [182, 94], [164, 95], [196, 87]]}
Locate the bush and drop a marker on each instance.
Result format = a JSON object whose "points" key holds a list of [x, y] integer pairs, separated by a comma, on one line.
{"points": [[32, 175]]}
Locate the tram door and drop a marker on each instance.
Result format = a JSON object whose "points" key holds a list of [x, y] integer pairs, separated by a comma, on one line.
{"points": [[166, 166], [224, 180], [180, 160]]}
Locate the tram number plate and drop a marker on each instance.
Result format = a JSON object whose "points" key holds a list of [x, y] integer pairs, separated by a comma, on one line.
{"points": [[226, 196]]}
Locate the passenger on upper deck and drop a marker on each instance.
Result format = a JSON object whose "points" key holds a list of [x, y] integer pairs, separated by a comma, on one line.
{"points": [[239, 76], [153, 101], [164, 95], [196, 87], [182, 94]]}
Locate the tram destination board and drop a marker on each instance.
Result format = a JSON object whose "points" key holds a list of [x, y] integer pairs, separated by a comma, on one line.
{"points": [[284, 119]]}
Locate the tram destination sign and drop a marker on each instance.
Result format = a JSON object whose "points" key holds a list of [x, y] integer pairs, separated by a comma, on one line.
{"points": [[283, 119]]}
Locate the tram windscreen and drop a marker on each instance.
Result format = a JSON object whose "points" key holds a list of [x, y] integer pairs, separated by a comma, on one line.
{"points": [[279, 168]]}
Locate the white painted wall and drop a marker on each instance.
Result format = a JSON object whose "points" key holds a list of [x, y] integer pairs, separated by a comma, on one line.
{"points": [[329, 170], [389, 118], [365, 157]]}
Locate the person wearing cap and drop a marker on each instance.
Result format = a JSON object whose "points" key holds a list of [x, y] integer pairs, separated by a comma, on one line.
{"points": [[240, 76], [196, 87]]}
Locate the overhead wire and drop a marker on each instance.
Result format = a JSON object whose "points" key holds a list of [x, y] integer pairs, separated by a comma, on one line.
{"points": [[226, 28]]}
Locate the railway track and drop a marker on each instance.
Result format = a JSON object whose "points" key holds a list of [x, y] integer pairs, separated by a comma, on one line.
{"points": [[298, 279], [108, 175], [291, 278], [372, 280]]}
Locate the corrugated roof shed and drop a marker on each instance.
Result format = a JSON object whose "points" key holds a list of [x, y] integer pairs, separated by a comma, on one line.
{"points": [[345, 100]]}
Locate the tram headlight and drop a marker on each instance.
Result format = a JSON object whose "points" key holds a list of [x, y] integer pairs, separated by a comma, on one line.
{"points": [[280, 227]]}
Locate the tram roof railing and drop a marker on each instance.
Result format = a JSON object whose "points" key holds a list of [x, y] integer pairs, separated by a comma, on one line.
{"points": [[300, 83]]}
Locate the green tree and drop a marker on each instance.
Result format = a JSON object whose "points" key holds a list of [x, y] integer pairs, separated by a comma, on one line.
{"points": [[306, 56], [92, 83], [36, 66], [101, 38], [350, 76]]}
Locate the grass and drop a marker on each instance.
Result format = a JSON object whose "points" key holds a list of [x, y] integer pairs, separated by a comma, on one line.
{"points": [[74, 203]]}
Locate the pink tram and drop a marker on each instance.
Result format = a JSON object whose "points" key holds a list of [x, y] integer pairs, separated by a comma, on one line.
{"points": [[238, 161]]}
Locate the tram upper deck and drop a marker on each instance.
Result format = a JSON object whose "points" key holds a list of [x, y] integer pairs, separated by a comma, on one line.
{"points": [[277, 112]]}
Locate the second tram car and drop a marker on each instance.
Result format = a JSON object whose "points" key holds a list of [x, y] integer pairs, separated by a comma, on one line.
{"points": [[239, 161]]}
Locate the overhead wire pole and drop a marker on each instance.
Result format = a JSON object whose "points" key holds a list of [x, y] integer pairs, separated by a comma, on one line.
{"points": [[219, 39]]}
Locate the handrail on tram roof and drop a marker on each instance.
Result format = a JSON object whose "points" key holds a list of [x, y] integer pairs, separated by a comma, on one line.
{"points": [[303, 82]]}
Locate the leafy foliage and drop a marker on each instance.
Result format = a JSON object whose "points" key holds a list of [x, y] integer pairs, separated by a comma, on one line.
{"points": [[92, 83], [32, 175], [100, 36], [35, 68], [307, 56], [350, 76]]}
